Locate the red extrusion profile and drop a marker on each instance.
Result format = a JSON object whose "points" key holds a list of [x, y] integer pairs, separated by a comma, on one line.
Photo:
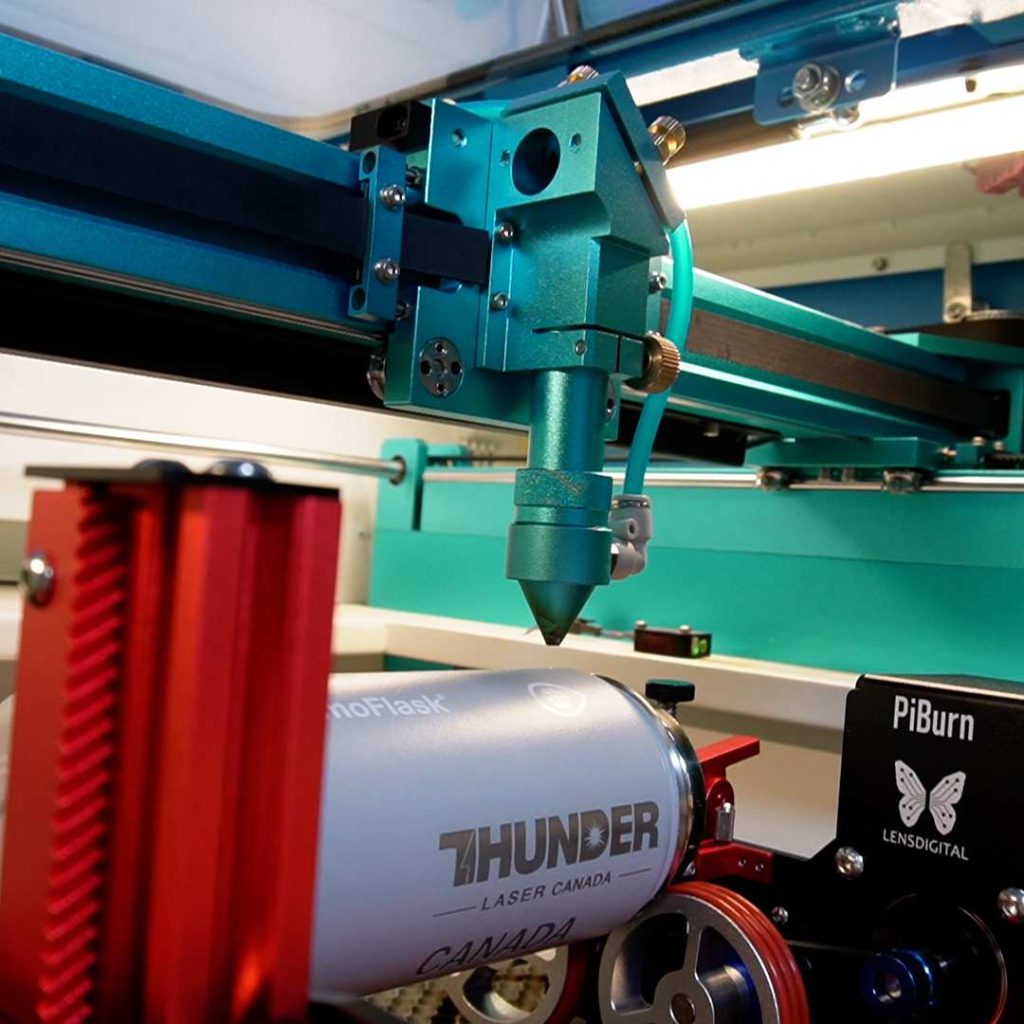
{"points": [[167, 756]]}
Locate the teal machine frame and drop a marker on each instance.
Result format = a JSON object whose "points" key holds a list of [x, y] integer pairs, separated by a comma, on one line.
{"points": [[843, 575], [844, 541], [508, 267]]}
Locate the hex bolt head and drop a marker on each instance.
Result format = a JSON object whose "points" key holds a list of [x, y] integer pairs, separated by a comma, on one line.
{"points": [[780, 916], [816, 86], [499, 301], [386, 271], [393, 196], [807, 79], [505, 233], [37, 578], [1011, 905], [849, 862], [656, 282]]}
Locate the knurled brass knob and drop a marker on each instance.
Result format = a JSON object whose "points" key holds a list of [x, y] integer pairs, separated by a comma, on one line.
{"points": [[668, 136], [661, 365], [580, 73]]}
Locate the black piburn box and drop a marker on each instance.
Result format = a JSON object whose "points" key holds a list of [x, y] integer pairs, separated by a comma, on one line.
{"points": [[932, 783], [915, 911]]}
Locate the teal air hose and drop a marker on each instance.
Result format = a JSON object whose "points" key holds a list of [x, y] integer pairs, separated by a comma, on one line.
{"points": [[680, 310]]}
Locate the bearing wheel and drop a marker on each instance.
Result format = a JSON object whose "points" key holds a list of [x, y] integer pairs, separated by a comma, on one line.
{"points": [[701, 955], [537, 988]]}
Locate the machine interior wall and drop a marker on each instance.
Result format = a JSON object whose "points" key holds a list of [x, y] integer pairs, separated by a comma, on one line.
{"points": [[861, 581]]}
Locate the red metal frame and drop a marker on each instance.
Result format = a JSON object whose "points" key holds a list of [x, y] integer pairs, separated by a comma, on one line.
{"points": [[728, 859], [167, 755]]}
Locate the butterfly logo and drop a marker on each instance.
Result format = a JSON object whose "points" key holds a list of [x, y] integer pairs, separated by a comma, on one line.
{"points": [[941, 801]]}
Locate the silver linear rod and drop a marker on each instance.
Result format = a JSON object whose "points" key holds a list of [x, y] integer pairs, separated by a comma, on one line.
{"points": [[351, 465], [989, 483]]}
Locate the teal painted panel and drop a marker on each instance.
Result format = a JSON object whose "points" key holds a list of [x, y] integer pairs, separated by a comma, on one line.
{"points": [[393, 663], [859, 581], [934, 528], [445, 574]]}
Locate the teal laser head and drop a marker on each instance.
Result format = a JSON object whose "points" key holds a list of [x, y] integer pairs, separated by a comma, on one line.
{"points": [[570, 188]]}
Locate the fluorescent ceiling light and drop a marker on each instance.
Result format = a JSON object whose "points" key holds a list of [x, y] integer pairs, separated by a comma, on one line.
{"points": [[958, 91], [950, 136]]}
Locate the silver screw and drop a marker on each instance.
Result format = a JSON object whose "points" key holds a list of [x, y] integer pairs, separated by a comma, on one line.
{"points": [[780, 916], [769, 479], [846, 117], [37, 576], [580, 348], [376, 373], [849, 863], [725, 823], [386, 271], [816, 86], [978, 441], [656, 282], [1011, 905], [505, 233], [499, 301], [902, 481], [610, 403], [392, 196], [807, 78]]}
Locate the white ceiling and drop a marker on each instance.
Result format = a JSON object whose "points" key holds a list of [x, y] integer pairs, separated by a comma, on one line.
{"points": [[300, 58]]}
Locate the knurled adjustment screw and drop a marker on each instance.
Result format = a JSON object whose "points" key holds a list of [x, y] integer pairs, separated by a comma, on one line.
{"points": [[668, 135], [661, 365], [580, 73]]}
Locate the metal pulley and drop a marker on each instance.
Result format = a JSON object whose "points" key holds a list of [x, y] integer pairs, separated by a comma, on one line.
{"points": [[701, 955], [538, 988]]}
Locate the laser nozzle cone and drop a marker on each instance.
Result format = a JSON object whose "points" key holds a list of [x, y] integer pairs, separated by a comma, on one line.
{"points": [[555, 606]]}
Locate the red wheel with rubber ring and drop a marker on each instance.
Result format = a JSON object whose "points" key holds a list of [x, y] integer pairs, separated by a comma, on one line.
{"points": [[701, 952]]}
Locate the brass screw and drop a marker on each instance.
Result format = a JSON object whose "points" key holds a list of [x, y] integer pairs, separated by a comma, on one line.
{"points": [[580, 73], [668, 135], [661, 365]]}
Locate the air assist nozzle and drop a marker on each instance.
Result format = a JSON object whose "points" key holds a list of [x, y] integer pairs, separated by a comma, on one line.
{"points": [[555, 606]]}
